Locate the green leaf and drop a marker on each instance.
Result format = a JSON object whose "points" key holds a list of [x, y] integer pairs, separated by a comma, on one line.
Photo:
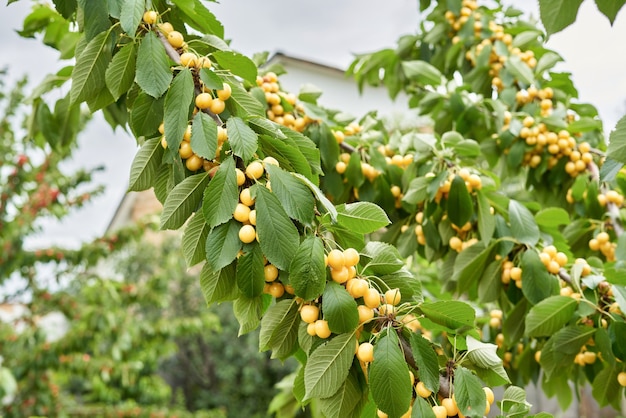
{"points": [[242, 139], [422, 409], [523, 225], [319, 195], [250, 272], [194, 239], [278, 236], [537, 283], [130, 15], [570, 339], [153, 67], [95, 18], [307, 272], [294, 196], [459, 206], [362, 217], [556, 15], [514, 400], [491, 282], [389, 375], [177, 101], [549, 316], [513, 326], [605, 387], [340, 309], [610, 8], [146, 115], [452, 314], [481, 354], [470, 264], [218, 285], [210, 79], [222, 194], [486, 221], [243, 104], [328, 366], [199, 17], [66, 8], [422, 72], [237, 64], [120, 73], [248, 313], [88, 76], [279, 329], [223, 244], [384, 258], [547, 61], [343, 403], [617, 142], [145, 165], [183, 200], [552, 217], [204, 136], [519, 69], [426, 360], [469, 393]]}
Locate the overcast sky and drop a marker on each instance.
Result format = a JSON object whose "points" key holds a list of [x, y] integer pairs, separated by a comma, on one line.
{"points": [[329, 32]]}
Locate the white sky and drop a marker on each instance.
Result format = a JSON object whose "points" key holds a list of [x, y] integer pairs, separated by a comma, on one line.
{"points": [[329, 32]]}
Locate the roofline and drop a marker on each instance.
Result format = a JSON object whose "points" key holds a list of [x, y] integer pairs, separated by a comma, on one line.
{"points": [[278, 55]]}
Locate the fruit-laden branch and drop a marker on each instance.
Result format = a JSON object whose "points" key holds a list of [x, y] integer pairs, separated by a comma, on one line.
{"points": [[171, 52], [612, 208]]}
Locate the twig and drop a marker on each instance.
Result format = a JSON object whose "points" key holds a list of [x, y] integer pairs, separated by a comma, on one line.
{"points": [[169, 49]]}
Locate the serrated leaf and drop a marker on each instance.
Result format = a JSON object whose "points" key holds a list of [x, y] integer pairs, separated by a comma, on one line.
{"points": [[389, 375], [426, 360], [243, 104], [95, 18], [278, 236], [88, 76], [343, 403], [549, 315], [204, 136], [145, 165], [222, 194], [340, 309], [130, 15], [459, 206], [470, 264], [120, 73], [183, 200], [194, 239], [250, 273], [605, 387], [223, 244], [177, 101], [210, 79], [248, 313], [610, 8], [537, 283], [469, 393], [483, 355], [486, 221], [279, 329], [328, 366], [422, 409], [556, 15], [218, 285], [523, 225], [362, 217], [384, 258], [146, 115], [570, 339], [242, 139], [452, 314], [617, 142], [307, 272], [319, 195], [237, 64], [199, 17], [153, 67], [294, 196]]}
